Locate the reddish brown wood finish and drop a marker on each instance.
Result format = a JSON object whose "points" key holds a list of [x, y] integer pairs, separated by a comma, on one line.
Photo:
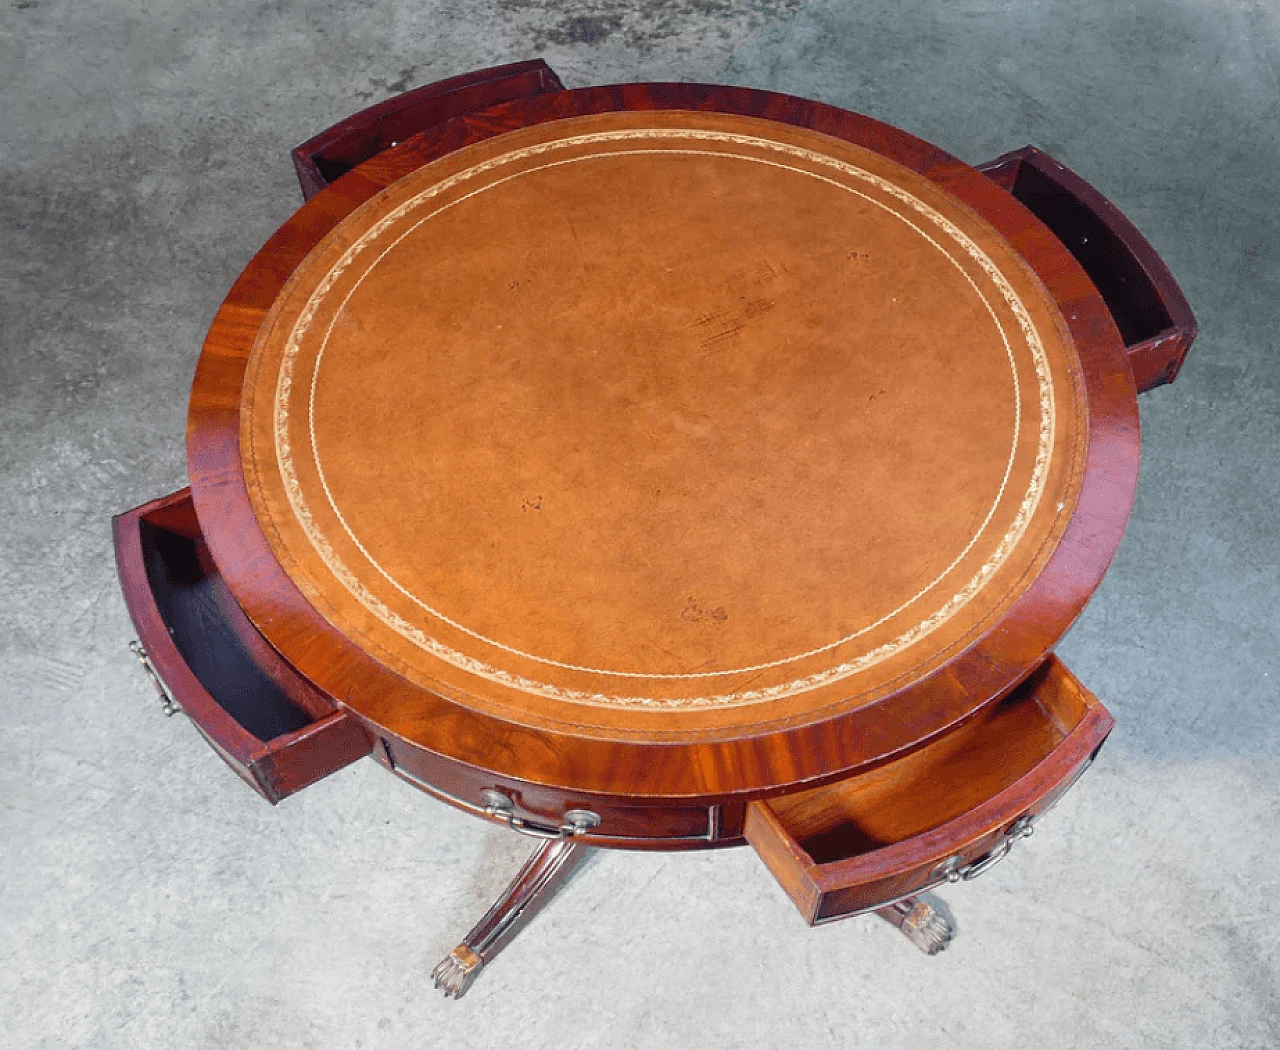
{"points": [[646, 768], [331, 154], [873, 838], [623, 825], [1150, 309], [277, 767]]}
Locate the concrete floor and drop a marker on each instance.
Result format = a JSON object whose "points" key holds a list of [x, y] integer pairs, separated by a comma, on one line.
{"points": [[147, 899]]}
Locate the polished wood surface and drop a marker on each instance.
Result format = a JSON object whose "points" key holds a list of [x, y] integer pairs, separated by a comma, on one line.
{"points": [[716, 762]]}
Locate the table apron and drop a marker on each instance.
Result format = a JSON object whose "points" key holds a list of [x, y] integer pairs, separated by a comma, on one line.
{"points": [[658, 826]]}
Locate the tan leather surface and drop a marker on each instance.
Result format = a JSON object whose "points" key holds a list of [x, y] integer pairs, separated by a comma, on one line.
{"points": [[672, 420]]}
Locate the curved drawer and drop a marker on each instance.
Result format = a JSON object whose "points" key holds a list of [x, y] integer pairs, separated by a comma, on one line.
{"points": [[943, 813], [334, 152], [1147, 305], [270, 725]]}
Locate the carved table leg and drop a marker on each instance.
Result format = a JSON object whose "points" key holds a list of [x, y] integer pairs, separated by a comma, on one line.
{"points": [[920, 922], [532, 887]]}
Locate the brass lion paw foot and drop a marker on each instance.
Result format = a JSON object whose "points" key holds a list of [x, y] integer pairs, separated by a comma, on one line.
{"points": [[456, 972], [921, 923]]}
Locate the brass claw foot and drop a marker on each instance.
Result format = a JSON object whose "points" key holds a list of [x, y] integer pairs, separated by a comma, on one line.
{"points": [[921, 923], [456, 971]]}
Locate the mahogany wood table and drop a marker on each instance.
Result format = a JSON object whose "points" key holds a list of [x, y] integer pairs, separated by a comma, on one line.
{"points": [[663, 467]]}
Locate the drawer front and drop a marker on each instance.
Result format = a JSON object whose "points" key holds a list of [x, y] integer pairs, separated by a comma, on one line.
{"points": [[945, 813], [540, 809]]}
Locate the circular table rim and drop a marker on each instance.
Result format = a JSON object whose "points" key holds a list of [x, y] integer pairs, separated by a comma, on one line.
{"points": [[719, 763]]}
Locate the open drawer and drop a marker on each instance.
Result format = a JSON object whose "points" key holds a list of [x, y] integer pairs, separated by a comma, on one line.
{"points": [[945, 812], [329, 155], [270, 724], [1144, 299]]}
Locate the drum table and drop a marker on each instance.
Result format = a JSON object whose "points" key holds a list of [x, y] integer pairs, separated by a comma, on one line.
{"points": [[663, 467]]}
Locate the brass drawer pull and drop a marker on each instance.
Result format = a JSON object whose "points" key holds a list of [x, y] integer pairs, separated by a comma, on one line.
{"points": [[1022, 828], [167, 704], [952, 870], [501, 807]]}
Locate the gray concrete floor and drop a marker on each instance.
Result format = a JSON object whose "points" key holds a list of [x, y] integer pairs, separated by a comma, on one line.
{"points": [[147, 899]]}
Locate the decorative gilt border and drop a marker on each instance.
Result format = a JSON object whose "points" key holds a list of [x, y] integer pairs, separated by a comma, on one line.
{"points": [[413, 633]]}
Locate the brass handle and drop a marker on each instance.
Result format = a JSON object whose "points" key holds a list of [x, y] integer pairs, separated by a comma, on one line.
{"points": [[167, 704], [501, 807], [952, 870]]}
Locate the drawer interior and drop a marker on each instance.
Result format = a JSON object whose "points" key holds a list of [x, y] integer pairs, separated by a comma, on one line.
{"points": [[275, 729], [1131, 297], [937, 783], [199, 612]]}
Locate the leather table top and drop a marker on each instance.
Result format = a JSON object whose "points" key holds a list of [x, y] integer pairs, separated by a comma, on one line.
{"points": [[663, 420]]}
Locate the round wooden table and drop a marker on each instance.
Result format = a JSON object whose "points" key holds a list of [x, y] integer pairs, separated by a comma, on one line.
{"points": [[660, 466]]}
